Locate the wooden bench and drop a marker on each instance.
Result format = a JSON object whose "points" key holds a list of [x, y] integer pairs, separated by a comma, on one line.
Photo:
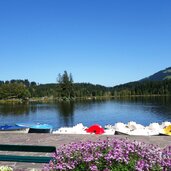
{"points": [[26, 148]]}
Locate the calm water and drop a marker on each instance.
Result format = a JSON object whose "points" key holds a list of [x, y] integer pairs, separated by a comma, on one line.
{"points": [[141, 110]]}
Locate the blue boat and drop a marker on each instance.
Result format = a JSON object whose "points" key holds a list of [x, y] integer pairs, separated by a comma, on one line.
{"points": [[13, 129], [37, 128]]}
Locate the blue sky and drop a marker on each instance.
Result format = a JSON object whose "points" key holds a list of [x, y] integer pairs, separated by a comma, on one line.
{"points": [[107, 42]]}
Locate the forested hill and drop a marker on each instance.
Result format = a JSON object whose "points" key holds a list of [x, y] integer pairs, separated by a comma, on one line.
{"points": [[23, 89], [26, 90], [159, 76], [65, 89], [146, 87], [77, 90], [156, 84]]}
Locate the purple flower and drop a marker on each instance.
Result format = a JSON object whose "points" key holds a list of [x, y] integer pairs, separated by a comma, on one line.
{"points": [[93, 168], [141, 165], [109, 153]]}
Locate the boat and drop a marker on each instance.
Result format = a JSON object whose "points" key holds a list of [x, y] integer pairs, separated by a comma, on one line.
{"points": [[81, 129], [166, 131], [121, 129], [37, 128], [13, 129], [77, 129], [132, 128], [95, 129], [143, 132]]}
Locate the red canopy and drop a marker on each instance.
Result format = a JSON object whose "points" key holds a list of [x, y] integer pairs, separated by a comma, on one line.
{"points": [[97, 129]]}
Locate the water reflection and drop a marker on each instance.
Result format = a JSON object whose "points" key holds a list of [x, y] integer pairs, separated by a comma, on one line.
{"points": [[66, 112], [14, 109], [140, 109], [161, 105], [165, 100]]}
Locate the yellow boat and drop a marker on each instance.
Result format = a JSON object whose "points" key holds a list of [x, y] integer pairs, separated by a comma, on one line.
{"points": [[167, 130]]}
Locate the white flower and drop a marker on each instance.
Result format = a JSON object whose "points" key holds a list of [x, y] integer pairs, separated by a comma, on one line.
{"points": [[5, 168]]}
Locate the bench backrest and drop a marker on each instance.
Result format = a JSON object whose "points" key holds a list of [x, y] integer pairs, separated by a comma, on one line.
{"points": [[26, 148]]}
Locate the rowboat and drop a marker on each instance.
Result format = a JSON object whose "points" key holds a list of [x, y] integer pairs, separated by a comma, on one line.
{"points": [[13, 129], [37, 128]]}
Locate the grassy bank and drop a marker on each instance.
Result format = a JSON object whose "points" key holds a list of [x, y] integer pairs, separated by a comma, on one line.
{"points": [[66, 99]]}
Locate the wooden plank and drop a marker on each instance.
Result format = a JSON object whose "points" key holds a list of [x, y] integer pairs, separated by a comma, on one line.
{"points": [[27, 148], [27, 159]]}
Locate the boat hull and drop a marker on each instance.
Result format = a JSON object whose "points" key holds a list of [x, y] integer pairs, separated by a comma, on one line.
{"points": [[17, 131], [37, 128], [13, 129], [121, 133]]}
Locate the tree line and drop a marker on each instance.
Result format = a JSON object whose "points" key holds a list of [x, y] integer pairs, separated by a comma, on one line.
{"points": [[66, 89], [146, 87]]}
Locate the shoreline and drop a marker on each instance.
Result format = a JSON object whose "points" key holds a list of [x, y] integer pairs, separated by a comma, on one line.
{"points": [[50, 99]]}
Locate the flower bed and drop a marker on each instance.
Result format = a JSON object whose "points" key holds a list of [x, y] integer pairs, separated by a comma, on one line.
{"points": [[111, 155]]}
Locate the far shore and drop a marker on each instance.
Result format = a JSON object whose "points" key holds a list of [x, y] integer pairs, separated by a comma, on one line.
{"points": [[52, 99]]}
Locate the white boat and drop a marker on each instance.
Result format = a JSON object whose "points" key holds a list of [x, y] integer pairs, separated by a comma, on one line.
{"points": [[143, 132], [132, 128], [77, 129], [109, 132], [121, 129], [159, 128], [80, 129]]}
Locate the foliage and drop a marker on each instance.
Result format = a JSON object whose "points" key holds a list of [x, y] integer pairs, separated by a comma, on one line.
{"points": [[160, 76], [14, 91], [110, 155], [143, 88], [65, 86], [66, 89], [5, 168]]}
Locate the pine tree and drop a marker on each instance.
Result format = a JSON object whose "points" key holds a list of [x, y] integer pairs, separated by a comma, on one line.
{"points": [[65, 86]]}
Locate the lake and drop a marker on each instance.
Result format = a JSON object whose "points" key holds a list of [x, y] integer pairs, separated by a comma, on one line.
{"points": [[141, 110]]}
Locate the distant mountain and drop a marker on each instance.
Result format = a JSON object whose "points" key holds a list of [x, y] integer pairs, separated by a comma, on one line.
{"points": [[156, 84], [159, 76]]}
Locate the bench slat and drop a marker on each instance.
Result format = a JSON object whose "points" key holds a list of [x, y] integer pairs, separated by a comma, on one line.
{"points": [[27, 148], [27, 159]]}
